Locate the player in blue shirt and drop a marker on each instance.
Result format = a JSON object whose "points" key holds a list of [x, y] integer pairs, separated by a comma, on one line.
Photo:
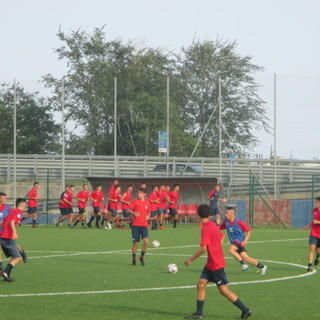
{"points": [[239, 234]]}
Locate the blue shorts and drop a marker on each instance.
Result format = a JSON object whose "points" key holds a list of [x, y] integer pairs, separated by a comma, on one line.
{"points": [[10, 248], [114, 212], [125, 213], [65, 211], [32, 210], [173, 211], [154, 213], [219, 277], [314, 240], [96, 210], [139, 233], [160, 210], [214, 211]]}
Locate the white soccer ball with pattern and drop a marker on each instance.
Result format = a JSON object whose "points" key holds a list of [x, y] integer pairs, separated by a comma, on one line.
{"points": [[155, 244], [172, 268]]}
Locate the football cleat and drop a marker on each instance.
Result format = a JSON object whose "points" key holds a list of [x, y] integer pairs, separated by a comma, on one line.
{"points": [[142, 261], [244, 267], [246, 314], [316, 260], [263, 270], [133, 262], [194, 316]]}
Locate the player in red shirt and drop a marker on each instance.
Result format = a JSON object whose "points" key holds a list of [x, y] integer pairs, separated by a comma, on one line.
{"points": [[162, 196], [82, 197], [9, 235], [314, 238], [173, 199], [32, 197], [154, 203], [113, 199], [140, 210], [65, 205], [211, 242], [126, 200], [239, 234], [96, 197]]}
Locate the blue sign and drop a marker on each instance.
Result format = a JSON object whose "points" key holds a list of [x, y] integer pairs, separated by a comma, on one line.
{"points": [[163, 141]]}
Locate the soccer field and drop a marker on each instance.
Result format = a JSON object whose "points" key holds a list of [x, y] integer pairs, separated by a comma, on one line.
{"points": [[87, 274]]}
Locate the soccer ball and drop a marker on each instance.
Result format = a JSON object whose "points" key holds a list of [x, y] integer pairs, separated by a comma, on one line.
{"points": [[172, 268], [155, 244]]}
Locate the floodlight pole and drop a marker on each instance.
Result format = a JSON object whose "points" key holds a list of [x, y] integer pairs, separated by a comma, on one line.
{"points": [[275, 138], [220, 123], [14, 141], [168, 124], [115, 128], [63, 135]]}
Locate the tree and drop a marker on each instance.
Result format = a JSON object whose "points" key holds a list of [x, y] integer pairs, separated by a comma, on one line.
{"points": [[141, 72], [200, 66], [36, 129]]}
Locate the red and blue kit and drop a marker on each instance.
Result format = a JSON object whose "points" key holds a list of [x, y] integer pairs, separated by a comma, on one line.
{"points": [[173, 197], [162, 196], [113, 205], [33, 193], [143, 208], [14, 215], [65, 196], [83, 195], [236, 230], [315, 228], [211, 238], [153, 196], [97, 197], [127, 198]]}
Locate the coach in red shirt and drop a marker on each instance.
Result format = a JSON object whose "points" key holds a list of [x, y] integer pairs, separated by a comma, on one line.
{"points": [[211, 242]]}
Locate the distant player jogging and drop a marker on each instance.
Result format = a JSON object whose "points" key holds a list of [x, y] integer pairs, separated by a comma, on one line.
{"points": [[211, 242], [239, 234], [314, 238]]}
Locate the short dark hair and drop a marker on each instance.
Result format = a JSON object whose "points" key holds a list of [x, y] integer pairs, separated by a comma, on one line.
{"points": [[71, 186], [85, 184], [116, 186], [20, 200], [36, 182], [2, 194], [317, 198], [203, 211], [144, 190], [176, 185], [231, 208], [129, 185]]}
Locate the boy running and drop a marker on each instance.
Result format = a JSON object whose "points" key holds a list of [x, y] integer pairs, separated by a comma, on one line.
{"points": [[154, 202], [126, 200], [239, 234], [314, 239], [9, 235], [32, 197], [96, 197], [139, 209], [211, 242], [173, 199], [82, 197]]}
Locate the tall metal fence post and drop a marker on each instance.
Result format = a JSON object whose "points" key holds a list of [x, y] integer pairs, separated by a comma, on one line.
{"points": [[47, 196]]}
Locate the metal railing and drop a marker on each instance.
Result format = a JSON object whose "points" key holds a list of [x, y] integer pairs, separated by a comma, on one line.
{"points": [[233, 171]]}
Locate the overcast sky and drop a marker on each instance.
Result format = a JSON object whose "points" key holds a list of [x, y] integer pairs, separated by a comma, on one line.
{"points": [[280, 35]]}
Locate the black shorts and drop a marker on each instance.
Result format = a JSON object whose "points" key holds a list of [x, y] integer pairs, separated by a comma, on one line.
{"points": [[32, 210], [236, 244], [173, 211], [96, 210], [314, 240], [82, 210], [65, 211], [10, 248], [219, 277], [125, 213], [114, 212], [214, 211], [139, 233]]}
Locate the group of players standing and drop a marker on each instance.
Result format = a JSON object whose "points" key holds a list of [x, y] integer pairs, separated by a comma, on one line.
{"points": [[163, 205]]}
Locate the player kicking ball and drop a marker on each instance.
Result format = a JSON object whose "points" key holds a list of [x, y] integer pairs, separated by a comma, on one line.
{"points": [[239, 234], [139, 209], [211, 242]]}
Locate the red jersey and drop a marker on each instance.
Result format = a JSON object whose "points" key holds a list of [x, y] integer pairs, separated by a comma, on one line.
{"points": [[14, 215], [153, 196], [97, 197], [173, 197], [33, 193], [211, 193], [112, 189], [127, 198], [143, 208], [83, 195], [113, 205], [211, 238], [315, 228], [162, 195], [65, 196]]}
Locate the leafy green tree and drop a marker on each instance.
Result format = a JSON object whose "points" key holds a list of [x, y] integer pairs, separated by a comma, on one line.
{"points": [[36, 129], [200, 66]]}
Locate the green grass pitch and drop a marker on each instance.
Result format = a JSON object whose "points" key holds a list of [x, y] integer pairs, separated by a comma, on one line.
{"points": [[87, 274]]}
